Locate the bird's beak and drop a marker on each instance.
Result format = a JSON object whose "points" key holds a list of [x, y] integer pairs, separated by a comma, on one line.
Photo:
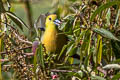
{"points": [[57, 22]]}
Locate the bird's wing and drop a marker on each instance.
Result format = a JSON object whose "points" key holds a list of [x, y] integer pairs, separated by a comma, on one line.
{"points": [[40, 23]]}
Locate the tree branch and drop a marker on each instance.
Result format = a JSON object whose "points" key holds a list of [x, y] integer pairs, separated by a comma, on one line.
{"points": [[18, 49], [56, 70]]}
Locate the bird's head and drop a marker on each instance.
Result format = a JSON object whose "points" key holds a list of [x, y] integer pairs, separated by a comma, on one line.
{"points": [[52, 20]]}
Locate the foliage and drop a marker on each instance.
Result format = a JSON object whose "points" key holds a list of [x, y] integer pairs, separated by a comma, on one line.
{"points": [[92, 27]]}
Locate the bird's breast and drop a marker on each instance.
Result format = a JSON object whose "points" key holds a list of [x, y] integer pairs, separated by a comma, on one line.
{"points": [[49, 40]]}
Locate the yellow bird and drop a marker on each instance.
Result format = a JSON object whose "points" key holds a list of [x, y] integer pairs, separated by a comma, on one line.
{"points": [[53, 39]]}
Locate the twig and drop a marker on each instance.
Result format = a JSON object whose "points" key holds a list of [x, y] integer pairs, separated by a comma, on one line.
{"points": [[56, 70], [5, 60], [31, 65], [18, 49], [29, 54], [25, 41]]}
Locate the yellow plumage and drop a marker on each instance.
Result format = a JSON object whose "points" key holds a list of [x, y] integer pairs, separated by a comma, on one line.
{"points": [[51, 39]]}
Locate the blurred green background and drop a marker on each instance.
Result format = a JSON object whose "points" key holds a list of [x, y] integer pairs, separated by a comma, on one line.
{"points": [[37, 7]]}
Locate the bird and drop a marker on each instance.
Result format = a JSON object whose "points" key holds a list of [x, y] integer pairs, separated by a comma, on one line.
{"points": [[53, 39]]}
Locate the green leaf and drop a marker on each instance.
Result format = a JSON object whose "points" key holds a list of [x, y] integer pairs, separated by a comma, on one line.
{"points": [[70, 49], [85, 48], [35, 61], [105, 33], [116, 61], [117, 17], [40, 52], [69, 25], [17, 20], [102, 7], [116, 77], [86, 62], [78, 75], [64, 48], [73, 51], [99, 49], [115, 45], [108, 15], [62, 51], [97, 78]]}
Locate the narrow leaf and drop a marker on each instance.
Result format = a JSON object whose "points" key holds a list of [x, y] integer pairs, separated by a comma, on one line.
{"points": [[108, 16], [40, 52], [102, 7], [99, 49], [17, 20], [97, 78], [85, 48], [105, 33], [112, 66], [117, 17]]}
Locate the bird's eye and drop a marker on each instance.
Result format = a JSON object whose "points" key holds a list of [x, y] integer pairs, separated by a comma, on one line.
{"points": [[50, 19]]}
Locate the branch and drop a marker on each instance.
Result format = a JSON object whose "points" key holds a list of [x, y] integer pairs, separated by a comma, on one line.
{"points": [[18, 49], [25, 41], [31, 65], [56, 70]]}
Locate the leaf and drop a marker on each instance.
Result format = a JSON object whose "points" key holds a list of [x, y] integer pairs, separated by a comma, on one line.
{"points": [[112, 66], [69, 50], [40, 52], [17, 20], [73, 51], [105, 33], [102, 7], [116, 61], [97, 78], [99, 49], [35, 61], [64, 48], [62, 51], [86, 62], [108, 15], [116, 77], [69, 25], [117, 17], [115, 45], [78, 75], [85, 48]]}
